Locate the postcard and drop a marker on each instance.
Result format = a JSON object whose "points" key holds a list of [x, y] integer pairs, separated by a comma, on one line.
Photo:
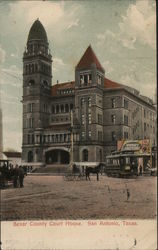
{"points": [[78, 111]]}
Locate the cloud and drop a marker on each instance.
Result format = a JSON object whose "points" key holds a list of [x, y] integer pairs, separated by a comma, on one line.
{"points": [[12, 139], [9, 119], [14, 70], [139, 24], [105, 37], [73, 23], [2, 55], [53, 15], [58, 64], [107, 66]]}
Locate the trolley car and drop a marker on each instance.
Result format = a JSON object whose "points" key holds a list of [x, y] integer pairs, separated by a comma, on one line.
{"points": [[124, 164]]}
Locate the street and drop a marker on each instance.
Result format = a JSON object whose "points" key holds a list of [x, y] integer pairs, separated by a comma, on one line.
{"points": [[51, 197]]}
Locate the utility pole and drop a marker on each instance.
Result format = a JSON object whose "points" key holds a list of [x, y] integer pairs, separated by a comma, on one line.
{"points": [[71, 151]]}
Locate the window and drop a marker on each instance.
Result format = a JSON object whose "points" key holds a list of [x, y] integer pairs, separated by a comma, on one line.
{"points": [[62, 108], [82, 102], [31, 123], [100, 135], [53, 109], [153, 129], [89, 119], [125, 104], [144, 126], [126, 120], [144, 113], [113, 119], [31, 83], [28, 139], [113, 103], [89, 102], [83, 134], [125, 135], [113, 135], [85, 79], [100, 119], [89, 133], [99, 79], [66, 108], [71, 106], [30, 156], [57, 109], [31, 107], [82, 119], [32, 139], [85, 155], [45, 108]]}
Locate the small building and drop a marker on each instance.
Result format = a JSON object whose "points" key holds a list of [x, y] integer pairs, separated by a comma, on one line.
{"points": [[13, 157]]}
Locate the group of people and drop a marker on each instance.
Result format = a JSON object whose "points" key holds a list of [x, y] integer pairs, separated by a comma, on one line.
{"points": [[18, 176], [11, 173]]}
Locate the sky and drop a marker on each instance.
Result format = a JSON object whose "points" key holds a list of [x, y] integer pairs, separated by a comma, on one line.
{"points": [[121, 32]]}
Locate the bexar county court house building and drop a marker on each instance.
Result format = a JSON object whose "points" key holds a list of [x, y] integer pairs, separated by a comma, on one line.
{"points": [[103, 111]]}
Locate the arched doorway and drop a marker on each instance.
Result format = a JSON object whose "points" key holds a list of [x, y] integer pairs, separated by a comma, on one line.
{"points": [[57, 156], [30, 156], [85, 155]]}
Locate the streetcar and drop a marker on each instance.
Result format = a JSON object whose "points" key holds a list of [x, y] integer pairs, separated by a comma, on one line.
{"points": [[125, 164]]}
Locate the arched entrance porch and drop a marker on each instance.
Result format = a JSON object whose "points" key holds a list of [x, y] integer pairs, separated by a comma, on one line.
{"points": [[57, 157]]}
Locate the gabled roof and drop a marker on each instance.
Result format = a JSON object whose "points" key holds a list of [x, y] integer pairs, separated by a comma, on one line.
{"points": [[88, 59]]}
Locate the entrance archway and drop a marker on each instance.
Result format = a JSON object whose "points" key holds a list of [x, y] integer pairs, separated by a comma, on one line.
{"points": [[57, 156]]}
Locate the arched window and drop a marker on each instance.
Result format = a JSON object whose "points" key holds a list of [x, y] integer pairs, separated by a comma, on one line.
{"points": [[82, 102], [36, 67], [66, 108], [85, 155], [33, 70], [30, 156], [57, 108], [62, 108], [45, 83], [31, 82], [29, 68], [53, 109], [100, 155]]}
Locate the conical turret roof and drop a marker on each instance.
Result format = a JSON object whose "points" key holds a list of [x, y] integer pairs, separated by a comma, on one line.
{"points": [[88, 59], [37, 32]]}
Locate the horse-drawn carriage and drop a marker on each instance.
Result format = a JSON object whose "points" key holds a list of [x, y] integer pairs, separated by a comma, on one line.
{"points": [[82, 171]]}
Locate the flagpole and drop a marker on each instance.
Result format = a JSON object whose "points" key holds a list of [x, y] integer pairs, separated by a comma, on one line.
{"points": [[71, 156], [151, 152]]}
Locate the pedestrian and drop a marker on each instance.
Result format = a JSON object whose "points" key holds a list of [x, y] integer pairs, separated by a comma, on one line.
{"points": [[15, 176], [128, 194], [140, 170], [21, 176]]}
